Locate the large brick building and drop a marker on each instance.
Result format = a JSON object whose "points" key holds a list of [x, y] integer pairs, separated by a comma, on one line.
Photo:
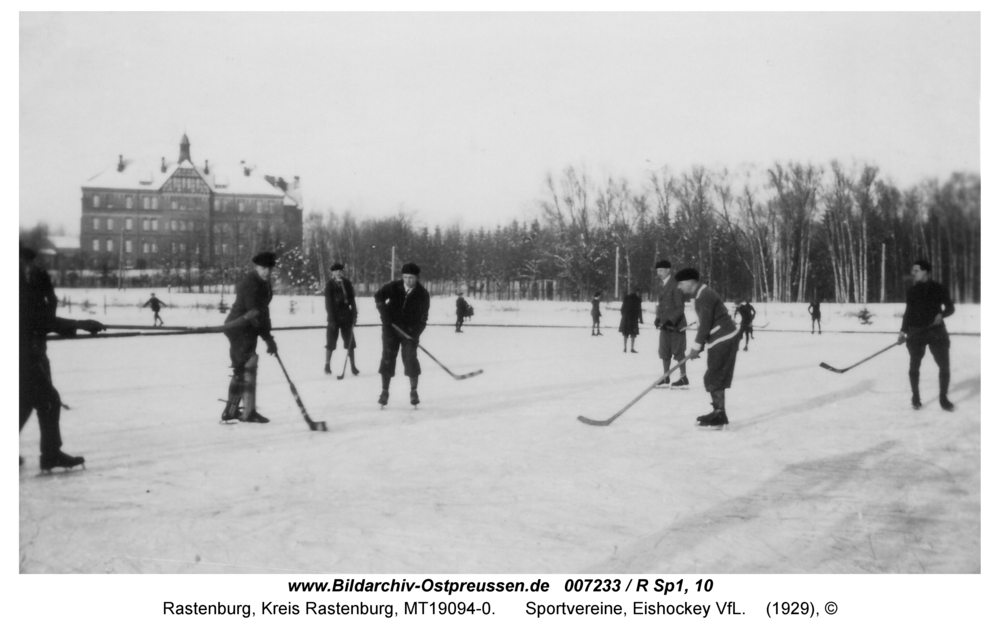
{"points": [[178, 215]]}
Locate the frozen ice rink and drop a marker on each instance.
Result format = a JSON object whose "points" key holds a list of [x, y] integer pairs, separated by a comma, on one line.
{"points": [[817, 472]]}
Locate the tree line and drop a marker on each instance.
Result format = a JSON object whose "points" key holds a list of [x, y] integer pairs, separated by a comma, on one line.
{"points": [[791, 232]]}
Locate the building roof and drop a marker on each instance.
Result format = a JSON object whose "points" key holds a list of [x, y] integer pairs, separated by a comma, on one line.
{"points": [[129, 175], [64, 243]]}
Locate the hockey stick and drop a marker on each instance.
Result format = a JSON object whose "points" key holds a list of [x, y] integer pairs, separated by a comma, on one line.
{"points": [[348, 356], [841, 371], [465, 376], [665, 376], [313, 425]]}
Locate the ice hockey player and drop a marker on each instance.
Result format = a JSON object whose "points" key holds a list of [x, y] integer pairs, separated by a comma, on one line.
{"points": [[406, 304], [341, 316], [715, 327], [249, 319], [747, 314], [927, 305], [631, 319], [462, 311], [37, 319], [815, 313], [671, 322], [595, 314], [155, 304]]}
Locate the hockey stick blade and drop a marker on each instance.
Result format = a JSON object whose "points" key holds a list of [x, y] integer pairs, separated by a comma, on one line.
{"points": [[589, 421], [313, 425], [839, 371]]}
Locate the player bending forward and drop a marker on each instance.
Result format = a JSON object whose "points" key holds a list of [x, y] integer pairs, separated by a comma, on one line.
{"points": [[718, 330]]}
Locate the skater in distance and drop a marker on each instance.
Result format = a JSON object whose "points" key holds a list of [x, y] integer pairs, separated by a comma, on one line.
{"points": [[406, 304], [462, 311], [631, 319], [927, 305], [715, 327], [155, 304], [747, 314], [37, 319], [341, 316], [595, 314], [249, 318], [814, 311], [671, 322]]}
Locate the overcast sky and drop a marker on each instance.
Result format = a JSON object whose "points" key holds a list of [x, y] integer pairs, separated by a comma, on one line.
{"points": [[459, 117]]}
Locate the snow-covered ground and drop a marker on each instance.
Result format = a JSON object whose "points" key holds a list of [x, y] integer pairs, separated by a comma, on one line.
{"points": [[817, 473]]}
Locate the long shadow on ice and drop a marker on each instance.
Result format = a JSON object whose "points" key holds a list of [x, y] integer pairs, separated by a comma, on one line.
{"points": [[808, 405]]}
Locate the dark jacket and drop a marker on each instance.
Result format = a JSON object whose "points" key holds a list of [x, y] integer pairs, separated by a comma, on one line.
{"points": [[408, 312], [714, 322], [747, 313], [253, 292], [924, 301], [155, 303], [814, 309], [38, 305], [461, 307], [631, 314], [670, 308], [340, 305]]}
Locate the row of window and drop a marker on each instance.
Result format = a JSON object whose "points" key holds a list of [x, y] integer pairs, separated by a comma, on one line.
{"points": [[151, 248], [149, 224], [153, 203]]}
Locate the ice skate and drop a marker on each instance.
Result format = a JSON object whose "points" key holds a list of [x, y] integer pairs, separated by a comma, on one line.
{"points": [[383, 398], [255, 417], [946, 404], [715, 419], [326, 369], [47, 463], [915, 402], [355, 371], [414, 399], [681, 383]]}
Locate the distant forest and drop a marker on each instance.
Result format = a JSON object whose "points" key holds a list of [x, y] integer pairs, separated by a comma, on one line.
{"points": [[793, 232], [790, 233]]}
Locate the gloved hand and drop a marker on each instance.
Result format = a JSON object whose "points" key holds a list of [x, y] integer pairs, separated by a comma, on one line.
{"points": [[91, 326], [694, 353], [902, 338], [656, 323], [272, 346]]}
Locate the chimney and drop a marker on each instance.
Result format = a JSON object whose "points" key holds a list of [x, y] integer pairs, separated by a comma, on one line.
{"points": [[206, 167], [246, 169], [295, 185], [282, 184], [121, 163], [163, 165]]}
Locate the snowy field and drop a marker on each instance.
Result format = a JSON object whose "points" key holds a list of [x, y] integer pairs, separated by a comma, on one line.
{"points": [[817, 473]]}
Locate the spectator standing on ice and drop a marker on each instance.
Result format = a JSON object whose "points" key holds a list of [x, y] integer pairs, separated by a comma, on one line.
{"points": [[249, 318], [462, 311], [715, 327], [37, 319], [406, 304], [747, 314], [815, 313], [155, 304], [631, 319], [341, 316], [595, 314], [927, 305], [671, 322]]}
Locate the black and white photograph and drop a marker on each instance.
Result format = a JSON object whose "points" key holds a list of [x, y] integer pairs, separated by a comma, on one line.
{"points": [[667, 309]]}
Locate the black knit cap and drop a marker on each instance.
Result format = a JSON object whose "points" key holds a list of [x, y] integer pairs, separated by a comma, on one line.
{"points": [[688, 273], [411, 268], [336, 266], [265, 259], [27, 253], [663, 264]]}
